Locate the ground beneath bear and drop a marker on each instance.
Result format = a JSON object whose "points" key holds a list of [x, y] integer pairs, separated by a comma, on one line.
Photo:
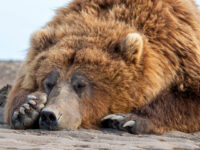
{"points": [[82, 139]]}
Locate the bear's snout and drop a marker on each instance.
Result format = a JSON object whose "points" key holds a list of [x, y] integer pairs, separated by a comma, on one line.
{"points": [[62, 110], [48, 120]]}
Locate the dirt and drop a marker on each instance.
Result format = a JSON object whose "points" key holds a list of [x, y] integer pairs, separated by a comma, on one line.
{"points": [[104, 139]]}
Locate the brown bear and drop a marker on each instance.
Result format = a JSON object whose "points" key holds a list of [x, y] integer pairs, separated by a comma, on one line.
{"points": [[132, 65]]}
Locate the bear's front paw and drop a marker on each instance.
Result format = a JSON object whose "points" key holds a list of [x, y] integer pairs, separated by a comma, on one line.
{"points": [[28, 113], [128, 122]]}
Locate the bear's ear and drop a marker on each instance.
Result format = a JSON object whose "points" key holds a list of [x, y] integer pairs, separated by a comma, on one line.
{"points": [[43, 39], [132, 47]]}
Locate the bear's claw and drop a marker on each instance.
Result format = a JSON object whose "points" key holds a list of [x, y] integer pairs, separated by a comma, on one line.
{"points": [[28, 113], [32, 102], [128, 122], [113, 117], [26, 106]]}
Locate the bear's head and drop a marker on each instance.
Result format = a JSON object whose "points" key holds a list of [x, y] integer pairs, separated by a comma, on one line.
{"points": [[87, 84]]}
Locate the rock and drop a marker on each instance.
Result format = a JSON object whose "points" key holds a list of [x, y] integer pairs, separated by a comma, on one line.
{"points": [[94, 140], [3, 94]]}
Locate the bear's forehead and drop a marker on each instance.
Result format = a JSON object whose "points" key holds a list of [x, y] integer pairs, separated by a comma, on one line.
{"points": [[68, 57], [93, 62], [80, 50]]}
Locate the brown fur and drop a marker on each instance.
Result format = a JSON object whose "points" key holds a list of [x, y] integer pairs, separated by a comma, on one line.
{"points": [[173, 110], [87, 36]]}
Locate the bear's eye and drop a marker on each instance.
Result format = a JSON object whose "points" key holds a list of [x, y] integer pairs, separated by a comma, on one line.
{"points": [[48, 87], [50, 82], [80, 84]]}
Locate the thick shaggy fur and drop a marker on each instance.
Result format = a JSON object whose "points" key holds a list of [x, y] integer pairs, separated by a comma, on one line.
{"points": [[161, 85]]}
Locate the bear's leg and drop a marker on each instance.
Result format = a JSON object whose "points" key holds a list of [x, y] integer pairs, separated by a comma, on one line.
{"points": [[28, 113], [169, 111], [23, 106]]}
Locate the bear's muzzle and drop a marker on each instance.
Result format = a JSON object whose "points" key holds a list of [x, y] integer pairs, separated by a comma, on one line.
{"points": [[62, 109]]}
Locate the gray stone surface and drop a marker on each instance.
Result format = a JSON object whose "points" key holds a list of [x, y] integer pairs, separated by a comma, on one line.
{"points": [[93, 139]]}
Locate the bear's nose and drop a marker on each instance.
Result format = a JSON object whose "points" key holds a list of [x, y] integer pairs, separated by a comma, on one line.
{"points": [[48, 120]]}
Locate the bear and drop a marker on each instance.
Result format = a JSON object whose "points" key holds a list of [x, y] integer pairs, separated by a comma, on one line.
{"points": [[131, 65]]}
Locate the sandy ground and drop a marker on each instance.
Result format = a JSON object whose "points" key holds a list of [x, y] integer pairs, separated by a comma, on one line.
{"points": [[8, 71], [84, 139]]}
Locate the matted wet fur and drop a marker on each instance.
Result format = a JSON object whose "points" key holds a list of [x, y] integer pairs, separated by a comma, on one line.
{"points": [[137, 58]]}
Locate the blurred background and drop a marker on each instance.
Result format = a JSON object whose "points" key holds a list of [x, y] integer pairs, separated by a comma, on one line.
{"points": [[19, 19]]}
